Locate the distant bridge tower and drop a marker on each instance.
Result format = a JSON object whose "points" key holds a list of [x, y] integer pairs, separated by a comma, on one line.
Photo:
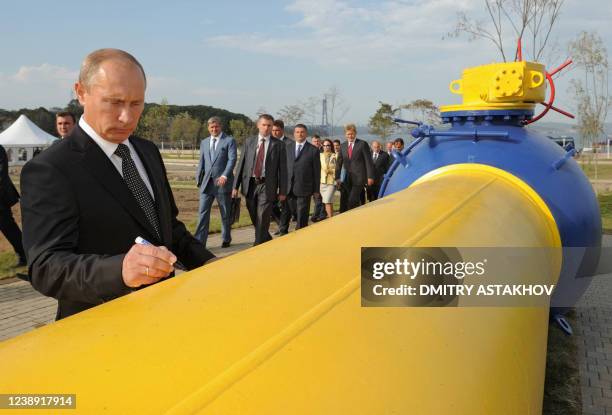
{"points": [[324, 120]]}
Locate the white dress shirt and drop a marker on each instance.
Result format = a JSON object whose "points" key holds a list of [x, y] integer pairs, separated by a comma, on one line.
{"points": [[109, 149], [266, 145]]}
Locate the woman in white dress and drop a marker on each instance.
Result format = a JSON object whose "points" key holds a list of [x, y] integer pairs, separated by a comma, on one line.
{"points": [[328, 176]]}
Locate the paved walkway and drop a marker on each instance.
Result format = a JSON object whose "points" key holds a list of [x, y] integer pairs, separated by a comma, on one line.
{"points": [[593, 331], [22, 309]]}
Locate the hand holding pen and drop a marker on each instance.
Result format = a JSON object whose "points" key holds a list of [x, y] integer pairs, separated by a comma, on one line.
{"points": [[145, 264]]}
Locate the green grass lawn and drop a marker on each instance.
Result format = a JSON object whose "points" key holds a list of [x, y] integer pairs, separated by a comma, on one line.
{"points": [[605, 206], [215, 221], [8, 260], [562, 386], [604, 171]]}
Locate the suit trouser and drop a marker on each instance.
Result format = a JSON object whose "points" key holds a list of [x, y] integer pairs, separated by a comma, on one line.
{"points": [[373, 192], [206, 201], [343, 197], [282, 215], [11, 231], [355, 195], [260, 211], [301, 206]]}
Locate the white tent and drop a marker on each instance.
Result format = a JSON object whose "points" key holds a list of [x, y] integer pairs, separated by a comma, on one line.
{"points": [[23, 140]]}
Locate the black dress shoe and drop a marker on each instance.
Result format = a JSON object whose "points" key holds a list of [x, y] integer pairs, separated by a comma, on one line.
{"points": [[23, 276], [226, 244]]}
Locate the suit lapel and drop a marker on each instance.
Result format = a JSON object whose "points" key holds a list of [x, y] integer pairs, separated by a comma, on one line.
{"points": [[270, 144], [206, 144]]}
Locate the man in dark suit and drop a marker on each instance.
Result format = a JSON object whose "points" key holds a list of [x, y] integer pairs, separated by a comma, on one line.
{"points": [[281, 212], [9, 198], [382, 162], [86, 199], [303, 173], [356, 159], [215, 177], [262, 174]]}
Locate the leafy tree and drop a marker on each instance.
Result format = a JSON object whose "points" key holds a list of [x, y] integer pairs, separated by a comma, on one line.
{"points": [[423, 110], [240, 130], [381, 123], [155, 124], [185, 128]]}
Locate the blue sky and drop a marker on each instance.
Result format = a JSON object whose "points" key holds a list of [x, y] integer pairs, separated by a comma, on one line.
{"points": [[243, 55]]}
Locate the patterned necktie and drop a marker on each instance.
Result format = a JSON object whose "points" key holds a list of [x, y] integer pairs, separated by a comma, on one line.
{"points": [[350, 150], [138, 187], [261, 153], [214, 145], [298, 150]]}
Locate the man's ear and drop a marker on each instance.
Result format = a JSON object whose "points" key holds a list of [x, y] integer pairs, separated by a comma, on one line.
{"points": [[79, 90]]}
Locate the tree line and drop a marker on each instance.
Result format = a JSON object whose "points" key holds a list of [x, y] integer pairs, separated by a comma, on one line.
{"points": [[171, 124]]}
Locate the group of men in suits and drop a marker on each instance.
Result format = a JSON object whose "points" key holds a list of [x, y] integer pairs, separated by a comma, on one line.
{"points": [[279, 176]]}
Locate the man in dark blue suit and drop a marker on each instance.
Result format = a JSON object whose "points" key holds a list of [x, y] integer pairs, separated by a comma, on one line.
{"points": [[215, 176], [303, 174]]}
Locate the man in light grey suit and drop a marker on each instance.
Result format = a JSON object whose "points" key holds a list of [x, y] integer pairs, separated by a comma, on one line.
{"points": [[215, 177]]}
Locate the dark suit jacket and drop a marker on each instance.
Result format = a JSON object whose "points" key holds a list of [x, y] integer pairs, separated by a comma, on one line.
{"points": [[381, 165], [304, 172], [275, 167], [80, 219], [359, 168], [8, 193], [286, 140]]}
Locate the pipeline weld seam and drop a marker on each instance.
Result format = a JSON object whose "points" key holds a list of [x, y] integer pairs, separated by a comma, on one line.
{"points": [[426, 230], [202, 397]]}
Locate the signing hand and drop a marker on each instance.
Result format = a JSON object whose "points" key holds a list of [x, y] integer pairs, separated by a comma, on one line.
{"points": [[146, 264]]}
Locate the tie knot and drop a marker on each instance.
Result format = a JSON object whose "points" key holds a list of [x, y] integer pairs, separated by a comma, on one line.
{"points": [[122, 151]]}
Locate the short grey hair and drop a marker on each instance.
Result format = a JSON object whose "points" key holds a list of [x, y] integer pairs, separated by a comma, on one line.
{"points": [[91, 63], [214, 119]]}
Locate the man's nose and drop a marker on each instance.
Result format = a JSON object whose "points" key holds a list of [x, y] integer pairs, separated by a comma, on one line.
{"points": [[125, 116]]}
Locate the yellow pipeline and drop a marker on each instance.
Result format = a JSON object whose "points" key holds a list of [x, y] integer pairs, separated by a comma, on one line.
{"points": [[279, 329]]}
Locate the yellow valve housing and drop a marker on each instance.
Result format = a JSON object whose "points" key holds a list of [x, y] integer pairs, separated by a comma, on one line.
{"points": [[500, 86]]}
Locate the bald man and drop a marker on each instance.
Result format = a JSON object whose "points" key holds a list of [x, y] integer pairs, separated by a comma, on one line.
{"points": [[86, 199]]}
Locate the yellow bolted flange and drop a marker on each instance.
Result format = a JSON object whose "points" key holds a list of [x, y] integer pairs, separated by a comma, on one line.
{"points": [[510, 85]]}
